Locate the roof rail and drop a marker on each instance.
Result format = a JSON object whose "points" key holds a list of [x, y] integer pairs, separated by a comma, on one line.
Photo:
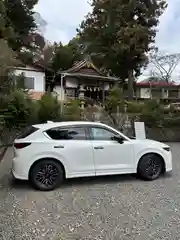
{"points": [[49, 121]]}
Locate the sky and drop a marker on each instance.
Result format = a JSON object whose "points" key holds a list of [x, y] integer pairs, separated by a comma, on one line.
{"points": [[64, 16]]}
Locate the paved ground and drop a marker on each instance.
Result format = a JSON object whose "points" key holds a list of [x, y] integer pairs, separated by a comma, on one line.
{"points": [[113, 208]]}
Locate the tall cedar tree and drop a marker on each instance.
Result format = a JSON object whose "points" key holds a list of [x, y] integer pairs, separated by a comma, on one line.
{"points": [[119, 33], [19, 15], [65, 55], [6, 31]]}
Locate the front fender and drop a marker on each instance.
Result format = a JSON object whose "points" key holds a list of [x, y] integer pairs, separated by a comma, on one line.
{"points": [[139, 155]]}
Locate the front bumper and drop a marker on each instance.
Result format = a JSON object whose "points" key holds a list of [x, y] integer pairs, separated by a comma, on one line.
{"points": [[168, 162]]}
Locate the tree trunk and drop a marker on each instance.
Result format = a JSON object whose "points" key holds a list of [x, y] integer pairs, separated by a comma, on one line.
{"points": [[130, 85], [2, 153]]}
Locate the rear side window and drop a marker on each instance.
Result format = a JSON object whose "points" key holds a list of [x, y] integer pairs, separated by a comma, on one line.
{"points": [[27, 132], [71, 133]]}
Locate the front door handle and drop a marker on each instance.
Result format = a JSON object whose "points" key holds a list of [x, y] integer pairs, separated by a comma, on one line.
{"points": [[59, 146], [99, 147]]}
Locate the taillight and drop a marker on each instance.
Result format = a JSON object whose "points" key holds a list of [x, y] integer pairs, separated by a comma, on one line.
{"points": [[21, 145]]}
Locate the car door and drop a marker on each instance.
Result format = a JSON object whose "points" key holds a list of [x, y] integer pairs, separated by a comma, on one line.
{"points": [[73, 149], [110, 156]]}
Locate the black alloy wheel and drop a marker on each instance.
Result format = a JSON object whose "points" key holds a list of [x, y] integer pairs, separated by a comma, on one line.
{"points": [[46, 175], [150, 166]]}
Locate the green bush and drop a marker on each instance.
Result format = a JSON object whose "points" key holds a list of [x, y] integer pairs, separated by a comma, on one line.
{"points": [[115, 100], [49, 108], [72, 111], [152, 113], [171, 122], [18, 110], [134, 107]]}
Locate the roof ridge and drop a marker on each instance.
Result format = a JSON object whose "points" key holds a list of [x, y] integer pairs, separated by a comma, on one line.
{"points": [[82, 64]]}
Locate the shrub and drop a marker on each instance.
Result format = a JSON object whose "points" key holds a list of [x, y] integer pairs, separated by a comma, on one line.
{"points": [[134, 107], [72, 111], [152, 114], [49, 108], [18, 110], [115, 100], [171, 122]]}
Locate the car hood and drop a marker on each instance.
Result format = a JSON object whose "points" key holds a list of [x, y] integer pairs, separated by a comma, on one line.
{"points": [[150, 142]]}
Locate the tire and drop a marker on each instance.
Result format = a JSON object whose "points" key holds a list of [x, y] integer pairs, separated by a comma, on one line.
{"points": [[46, 175], [150, 167]]}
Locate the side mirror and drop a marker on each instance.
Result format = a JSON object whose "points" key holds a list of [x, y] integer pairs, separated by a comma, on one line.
{"points": [[119, 139]]}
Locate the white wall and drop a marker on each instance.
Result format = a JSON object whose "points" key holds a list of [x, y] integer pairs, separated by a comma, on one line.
{"points": [[57, 89], [145, 93], [71, 82], [39, 78], [106, 86]]}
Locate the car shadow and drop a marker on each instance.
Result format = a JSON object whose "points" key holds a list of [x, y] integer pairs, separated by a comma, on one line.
{"points": [[100, 179], [20, 184], [88, 181]]}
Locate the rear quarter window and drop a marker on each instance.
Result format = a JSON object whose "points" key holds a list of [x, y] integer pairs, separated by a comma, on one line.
{"points": [[27, 132], [70, 133]]}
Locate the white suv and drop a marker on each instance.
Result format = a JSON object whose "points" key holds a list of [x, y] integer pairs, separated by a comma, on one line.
{"points": [[48, 153]]}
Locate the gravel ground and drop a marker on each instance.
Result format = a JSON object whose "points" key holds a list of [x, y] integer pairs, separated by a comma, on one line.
{"points": [[111, 208]]}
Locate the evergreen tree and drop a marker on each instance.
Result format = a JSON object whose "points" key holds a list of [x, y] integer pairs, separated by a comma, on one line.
{"points": [[120, 33]]}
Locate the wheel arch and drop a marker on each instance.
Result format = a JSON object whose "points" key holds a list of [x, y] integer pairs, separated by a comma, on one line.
{"points": [[48, 158], [156, 154]]}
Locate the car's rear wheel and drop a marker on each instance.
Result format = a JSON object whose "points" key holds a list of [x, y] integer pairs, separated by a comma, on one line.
{"points": [[46, 175], [150, 167]]}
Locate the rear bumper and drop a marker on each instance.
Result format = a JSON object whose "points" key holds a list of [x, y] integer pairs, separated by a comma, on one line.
{"points": [[18, 171], [18, 176]]}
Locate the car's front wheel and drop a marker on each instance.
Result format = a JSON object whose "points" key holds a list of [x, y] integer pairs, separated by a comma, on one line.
{"points": [[46, 175], [150, 167]]}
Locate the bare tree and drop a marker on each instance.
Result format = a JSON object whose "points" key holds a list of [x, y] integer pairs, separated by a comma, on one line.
{"points": [[164, 65]]}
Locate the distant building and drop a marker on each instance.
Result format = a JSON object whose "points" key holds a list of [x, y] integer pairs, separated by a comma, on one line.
{"points": [[148, 89], [34, 79], [83, 80]]}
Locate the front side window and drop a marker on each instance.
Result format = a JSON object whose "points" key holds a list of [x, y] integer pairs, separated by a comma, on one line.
{"points": [[71, 133], [102, 134]]}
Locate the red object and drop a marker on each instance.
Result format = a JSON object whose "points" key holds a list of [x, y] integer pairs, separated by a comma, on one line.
{"points": [[162, 84], [21, 145]]}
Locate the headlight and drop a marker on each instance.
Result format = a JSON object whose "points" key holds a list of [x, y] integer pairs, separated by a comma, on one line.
{"points": [[167, 149]]}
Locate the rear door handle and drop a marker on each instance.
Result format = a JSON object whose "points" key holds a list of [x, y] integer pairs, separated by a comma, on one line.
{"points": [[99, 147], [59, 146]]}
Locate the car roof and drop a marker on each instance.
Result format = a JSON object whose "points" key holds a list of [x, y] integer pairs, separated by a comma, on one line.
{"points": [[64, 124]]}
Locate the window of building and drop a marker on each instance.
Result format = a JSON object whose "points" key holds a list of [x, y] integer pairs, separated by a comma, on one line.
{"points": [[25, 82], [29, 83], [72, 133]]}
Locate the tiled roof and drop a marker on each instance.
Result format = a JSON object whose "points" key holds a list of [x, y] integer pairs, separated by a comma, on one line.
{"points": [[155, 82], [82, 64], [162, 84]]}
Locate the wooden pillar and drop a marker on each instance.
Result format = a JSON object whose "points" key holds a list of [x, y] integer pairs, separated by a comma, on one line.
{"points": [[103, 93]]}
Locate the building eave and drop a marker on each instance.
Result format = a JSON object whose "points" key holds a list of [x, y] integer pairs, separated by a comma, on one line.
{"points": [[80, 75]]}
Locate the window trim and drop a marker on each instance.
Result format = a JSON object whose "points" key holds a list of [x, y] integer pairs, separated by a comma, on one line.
{"points": [[66, 127]]}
